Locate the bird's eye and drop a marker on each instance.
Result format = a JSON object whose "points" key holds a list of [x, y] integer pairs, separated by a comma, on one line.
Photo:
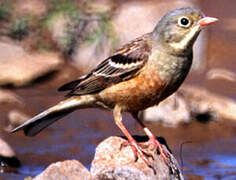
{"points": [[184, 22]]}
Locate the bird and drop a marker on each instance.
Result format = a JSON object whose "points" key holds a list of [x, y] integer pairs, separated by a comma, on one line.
{"points": [[139, 75]]}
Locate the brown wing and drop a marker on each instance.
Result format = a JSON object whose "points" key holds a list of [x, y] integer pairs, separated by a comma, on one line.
{"points": [[123, 65]]}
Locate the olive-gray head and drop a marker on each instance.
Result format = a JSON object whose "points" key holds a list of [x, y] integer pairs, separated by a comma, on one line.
{"points": [[177, 31]]}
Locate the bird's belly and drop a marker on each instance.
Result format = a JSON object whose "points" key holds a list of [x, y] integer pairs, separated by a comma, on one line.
{"points": [[135, 94]]}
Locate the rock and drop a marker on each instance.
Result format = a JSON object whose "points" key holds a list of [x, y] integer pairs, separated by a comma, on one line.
{"points": [[191, 102], [7, 156], [87, 54], [7, 96], [170, 112], [5, 149], [69, 169], [32, 7], [18, 68], [222, 74], [80, 38], [101, 6], [111, 162], [202, 101], [58, 25], [16, 118]]}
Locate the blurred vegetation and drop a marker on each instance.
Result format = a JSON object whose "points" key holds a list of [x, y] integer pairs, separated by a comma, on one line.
{"points": [[82, 25], [5, 9], [19, 28], [105, 28], [68, 7]]}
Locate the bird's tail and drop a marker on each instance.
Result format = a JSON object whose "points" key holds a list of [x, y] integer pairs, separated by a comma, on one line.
{"points": [[36, 124]]}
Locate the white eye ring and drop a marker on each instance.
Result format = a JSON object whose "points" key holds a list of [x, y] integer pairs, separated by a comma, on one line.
{"points": [[184, 22]]}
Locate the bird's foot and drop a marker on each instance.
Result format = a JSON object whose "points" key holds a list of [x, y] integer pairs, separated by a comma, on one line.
{"points": [[137, 150], [157, 145]]}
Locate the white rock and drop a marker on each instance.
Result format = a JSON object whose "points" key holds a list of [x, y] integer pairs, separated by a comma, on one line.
{"points": [[18, 68], [170, 112], [69, 169], [6, 96], [6, 150]]}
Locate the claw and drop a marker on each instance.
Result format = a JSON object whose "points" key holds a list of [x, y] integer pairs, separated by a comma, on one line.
{"points": [[137, 149], [157, 145], [144, 155]]}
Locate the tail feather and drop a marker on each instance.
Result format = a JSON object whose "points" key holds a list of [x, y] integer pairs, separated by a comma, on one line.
{"points": [[36, 124], [33, 126]]}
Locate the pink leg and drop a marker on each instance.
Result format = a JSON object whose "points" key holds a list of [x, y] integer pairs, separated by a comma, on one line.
{"points": [[134, 145], [152, 138]]}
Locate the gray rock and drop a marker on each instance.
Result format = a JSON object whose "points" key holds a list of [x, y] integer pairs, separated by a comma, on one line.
{"points": [[7, 96], [87, 53], [71, 34], [191, 102], [58, 26], [18, 67], [33, 7], [221, 74], [5, 149], [169, 112], [16, 118], [66, 170], [202, 101], [111, 162]]}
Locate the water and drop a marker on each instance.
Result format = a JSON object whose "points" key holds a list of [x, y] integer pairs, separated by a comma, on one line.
{"points": [[210, 155], [216, 161]]}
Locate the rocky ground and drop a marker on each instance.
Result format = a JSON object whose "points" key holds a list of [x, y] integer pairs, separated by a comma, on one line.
{"points": [[113, 162]]}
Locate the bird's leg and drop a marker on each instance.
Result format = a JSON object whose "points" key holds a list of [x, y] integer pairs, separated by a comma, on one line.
{"points": [[134, 145], [152, 138]]}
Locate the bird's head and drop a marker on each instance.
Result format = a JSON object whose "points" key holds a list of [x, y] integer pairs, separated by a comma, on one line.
{"points": [[177, 31]]}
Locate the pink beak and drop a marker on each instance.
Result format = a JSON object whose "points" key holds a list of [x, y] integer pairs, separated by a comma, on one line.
{"points": [[206, 21]]}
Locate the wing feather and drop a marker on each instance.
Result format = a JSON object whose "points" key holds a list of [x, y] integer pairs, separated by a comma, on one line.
{"points": [[123, 65]]}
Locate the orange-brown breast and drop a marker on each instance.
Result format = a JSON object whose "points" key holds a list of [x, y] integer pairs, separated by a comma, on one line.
{"points": [[135, 94]]}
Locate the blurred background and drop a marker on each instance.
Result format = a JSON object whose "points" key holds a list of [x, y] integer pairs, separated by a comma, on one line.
{"points": [[46, 43]]}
